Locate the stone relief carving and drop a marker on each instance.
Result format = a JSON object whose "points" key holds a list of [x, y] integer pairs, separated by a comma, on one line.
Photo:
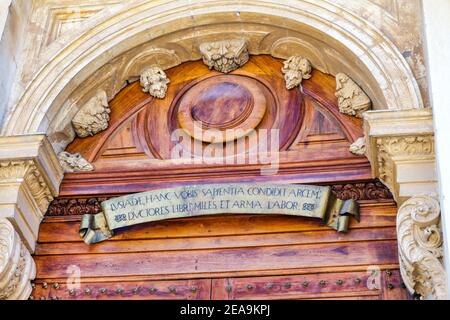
{"points": [[17, 268], [407, 146], [225, 56], [420, 247], [28, 171], [74, 162], [352, 99], [154, 81], [359, 147], [296, 69], [93, 117]]}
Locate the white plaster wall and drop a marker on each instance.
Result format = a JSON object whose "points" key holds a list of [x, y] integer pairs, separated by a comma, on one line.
{"points": [[14, 16], [437, 26], [4, 7]]}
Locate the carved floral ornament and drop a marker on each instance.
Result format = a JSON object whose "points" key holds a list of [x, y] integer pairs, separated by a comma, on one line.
{"points": [[420, 247]]}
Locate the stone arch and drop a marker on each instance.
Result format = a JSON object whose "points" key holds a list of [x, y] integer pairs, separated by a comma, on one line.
{"points": [[331, 37]]}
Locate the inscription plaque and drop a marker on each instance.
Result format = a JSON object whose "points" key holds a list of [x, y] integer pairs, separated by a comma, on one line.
{"points": [[210, 199]]}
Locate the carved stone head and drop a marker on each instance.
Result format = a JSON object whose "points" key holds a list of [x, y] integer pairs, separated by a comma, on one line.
{"points": [[154, 81], [73, 162], [225, 56], [93, 117], [351, 98], [296, 69]]}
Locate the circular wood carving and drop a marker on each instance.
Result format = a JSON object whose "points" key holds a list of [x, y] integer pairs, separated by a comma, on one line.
{"points": [[222, 108]]}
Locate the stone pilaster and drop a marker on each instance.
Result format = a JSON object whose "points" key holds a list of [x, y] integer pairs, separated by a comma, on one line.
{"points": [[400, 147], [420, 246], [30, 175]]}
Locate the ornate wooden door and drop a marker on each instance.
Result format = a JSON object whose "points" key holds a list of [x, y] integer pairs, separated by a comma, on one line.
{"points": [[222, 257]]}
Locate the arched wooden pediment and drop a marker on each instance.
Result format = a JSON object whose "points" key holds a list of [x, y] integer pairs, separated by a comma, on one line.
{"points": [[134, 153]]}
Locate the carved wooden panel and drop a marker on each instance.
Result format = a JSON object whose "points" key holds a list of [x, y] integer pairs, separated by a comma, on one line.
{"points": [[314, 137], [222, 257]]}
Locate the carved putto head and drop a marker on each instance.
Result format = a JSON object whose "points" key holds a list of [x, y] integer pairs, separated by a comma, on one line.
{"points": [[351, 98], [93, 117], [73, 162], [296, 69], [225, 56], [154, 81]]}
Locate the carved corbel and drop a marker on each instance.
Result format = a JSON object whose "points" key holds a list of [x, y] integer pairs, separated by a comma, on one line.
{"points": [[420, 247], [351, 98], [295, 70], [93, 117], [17, 267], [154, 81], [74, 163], [225, 56], [400, 147]]}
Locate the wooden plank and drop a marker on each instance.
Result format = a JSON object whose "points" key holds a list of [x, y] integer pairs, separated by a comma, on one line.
{"points": [[215, 242], [220, 260]]}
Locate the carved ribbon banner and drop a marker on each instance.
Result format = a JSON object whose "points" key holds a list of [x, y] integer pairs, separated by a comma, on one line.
{"points": [[198, 200]]}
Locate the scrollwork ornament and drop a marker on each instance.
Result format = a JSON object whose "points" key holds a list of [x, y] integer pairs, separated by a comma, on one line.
{"points": [[420, 247], [16, 265]]}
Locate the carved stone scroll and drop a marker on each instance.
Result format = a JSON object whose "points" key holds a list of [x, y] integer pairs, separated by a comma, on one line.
{"points": [[296, 69], [17, 268], [351, 98], [420, 247], [93, 117], [225, 56], [74, 162], [154, 81]]}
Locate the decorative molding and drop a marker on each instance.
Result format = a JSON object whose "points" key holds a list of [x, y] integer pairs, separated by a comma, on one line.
{"points": [[154, 81], [296, 69], [74, 162], [225, 56], [359, 147], [68, 207], [374, 190], [400, 147], [420, 247], [93, 117], [17, 268], [352, 99]]}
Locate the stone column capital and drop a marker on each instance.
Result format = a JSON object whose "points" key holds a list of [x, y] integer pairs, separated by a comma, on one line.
{"points": [[400, 147], [30, 175]]}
